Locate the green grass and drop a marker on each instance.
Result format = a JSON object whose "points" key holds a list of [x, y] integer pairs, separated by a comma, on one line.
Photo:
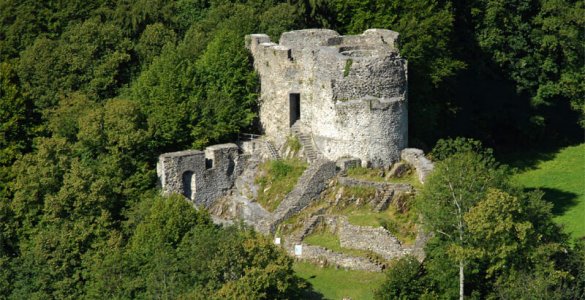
{"points": [[373, 174], [324, 239], [337, 284], [562, 178], [277, 178], [370, 174], [401, 225], [328, 240]]}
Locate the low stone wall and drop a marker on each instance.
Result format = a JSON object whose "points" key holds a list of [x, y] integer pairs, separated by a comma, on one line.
{"points": [[416, 158], [399, 187], [377, 240], [309, 186], [325, 257]]}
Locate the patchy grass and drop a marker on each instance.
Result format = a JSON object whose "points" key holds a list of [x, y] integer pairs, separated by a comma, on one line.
{"points": [[562, 177], [277, 178], [352, 202], [347, 67], [324, 238], [293, 143], [373, 174], [360, 192], [401, 225], [338, 284]]}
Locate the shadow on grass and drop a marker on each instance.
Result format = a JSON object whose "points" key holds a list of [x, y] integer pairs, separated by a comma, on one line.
{"points": [[309, 293], [561, 200], [528, 160]]}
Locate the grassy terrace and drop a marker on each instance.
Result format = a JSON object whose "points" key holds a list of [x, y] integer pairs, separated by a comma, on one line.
{"points": [[374, 175], [337, 284], [400, 224], [561, 176], [277, 178], [330, 241]]}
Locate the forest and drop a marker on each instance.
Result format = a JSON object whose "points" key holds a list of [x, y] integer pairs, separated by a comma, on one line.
{"points": [[91, 92]]}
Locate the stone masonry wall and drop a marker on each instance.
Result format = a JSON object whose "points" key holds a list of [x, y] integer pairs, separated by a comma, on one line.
{"points": [[201, 176], [377, 240], [416, 158], [353, 91]]}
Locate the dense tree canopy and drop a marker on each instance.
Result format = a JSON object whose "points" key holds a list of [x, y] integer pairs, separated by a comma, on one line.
{"points": [[489, 239], [91, 92]]}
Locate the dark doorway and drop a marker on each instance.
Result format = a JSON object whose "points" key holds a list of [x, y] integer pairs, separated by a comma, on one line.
{"points": [[294, 107], [188, 184]]}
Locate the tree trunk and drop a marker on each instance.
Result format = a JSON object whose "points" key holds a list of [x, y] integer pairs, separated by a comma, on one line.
{"points": [[461, 280]]}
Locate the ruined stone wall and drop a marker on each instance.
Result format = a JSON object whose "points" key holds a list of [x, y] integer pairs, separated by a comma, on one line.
{"points": [[201, 176], [417, 159], [353, 91], [309, 186]]}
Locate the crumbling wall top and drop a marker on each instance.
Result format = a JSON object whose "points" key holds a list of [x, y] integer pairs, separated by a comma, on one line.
{"points": [[307, 38]]}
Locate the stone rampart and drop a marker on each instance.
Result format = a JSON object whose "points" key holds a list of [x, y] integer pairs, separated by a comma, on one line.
{"points": [[201, 176]]}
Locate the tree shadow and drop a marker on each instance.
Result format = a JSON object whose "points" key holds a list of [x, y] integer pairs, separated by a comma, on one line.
{"points": [[524, 160], [309, 293], [561, 200], [528, 160]]}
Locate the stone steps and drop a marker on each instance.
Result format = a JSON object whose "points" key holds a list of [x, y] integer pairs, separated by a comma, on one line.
{"points": [[272, 150], [308, 227], [384, 201], [307, 143]]}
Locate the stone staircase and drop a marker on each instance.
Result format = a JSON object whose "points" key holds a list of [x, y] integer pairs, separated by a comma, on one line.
{"points": [[272, 150], [308, 148], [385, 200]]}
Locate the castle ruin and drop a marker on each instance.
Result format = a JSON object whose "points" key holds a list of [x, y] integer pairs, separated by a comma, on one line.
{"points": [[348, 93], [345, 99]]}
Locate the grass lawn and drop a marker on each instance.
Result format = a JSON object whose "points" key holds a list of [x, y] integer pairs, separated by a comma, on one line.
{"points": [[337, 284], [562, 177]]}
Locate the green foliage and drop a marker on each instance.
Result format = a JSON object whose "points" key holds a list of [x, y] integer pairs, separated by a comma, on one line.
{"points": [[403, 280], [152, 40], [538, 44], [337, 284], [560, 177], [347, 67], [15, 124], [455, 186], [89, 57], [293, 143], [92, 92], [444, 148]]}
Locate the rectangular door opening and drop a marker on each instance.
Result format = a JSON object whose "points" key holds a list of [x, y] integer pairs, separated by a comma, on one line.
{"points": [[294, 107]]}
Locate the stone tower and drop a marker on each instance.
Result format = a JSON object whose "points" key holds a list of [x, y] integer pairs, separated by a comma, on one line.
{"points": [[349, 93]]}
